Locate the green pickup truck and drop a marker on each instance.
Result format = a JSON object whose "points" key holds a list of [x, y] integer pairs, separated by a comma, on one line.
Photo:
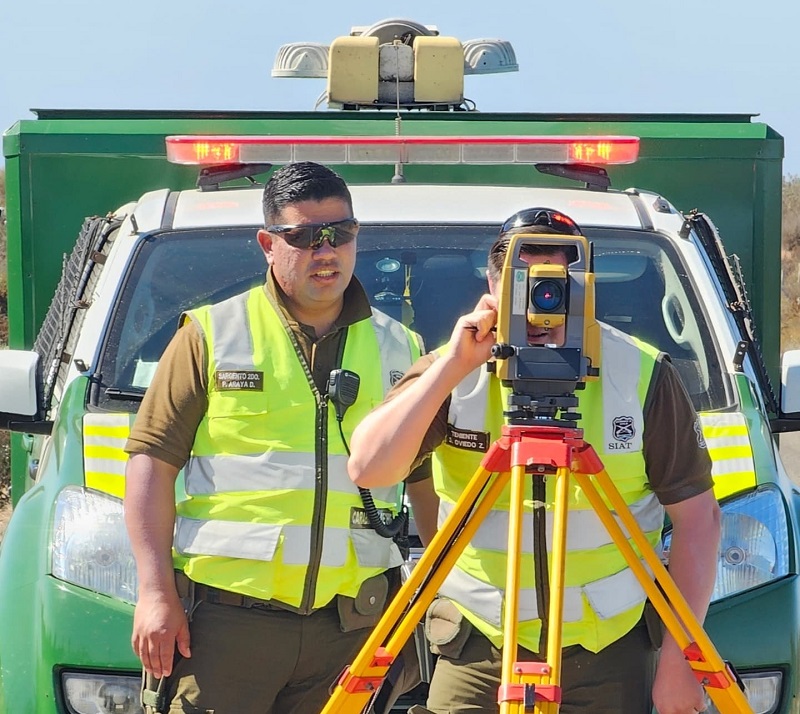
{"points": [[101, 223]]}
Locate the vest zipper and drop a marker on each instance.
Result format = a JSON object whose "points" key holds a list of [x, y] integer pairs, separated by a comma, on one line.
{"points": [[320, 505]]}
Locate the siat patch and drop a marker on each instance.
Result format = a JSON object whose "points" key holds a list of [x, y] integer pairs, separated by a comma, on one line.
{"points": [[624, 428]]}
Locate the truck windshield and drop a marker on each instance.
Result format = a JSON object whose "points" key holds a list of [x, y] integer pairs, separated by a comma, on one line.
{"points": [[425, 276]]}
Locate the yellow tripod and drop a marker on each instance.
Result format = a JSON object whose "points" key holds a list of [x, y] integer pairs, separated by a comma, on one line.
{"points": [[524, 452]]}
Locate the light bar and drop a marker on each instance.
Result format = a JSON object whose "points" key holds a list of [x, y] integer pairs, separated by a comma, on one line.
{"points": [[220, 150]]}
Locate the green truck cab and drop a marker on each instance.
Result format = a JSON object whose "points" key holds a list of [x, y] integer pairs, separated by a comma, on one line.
{"points": [[89, 318]]}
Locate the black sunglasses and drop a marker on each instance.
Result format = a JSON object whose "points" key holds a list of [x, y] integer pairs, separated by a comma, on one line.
{"points": [[531, 217], [313, 235]]}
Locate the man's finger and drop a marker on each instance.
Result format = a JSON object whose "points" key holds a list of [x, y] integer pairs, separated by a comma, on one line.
{"points": [[487, 302], [183, 641], [144, 655], [166, 655], [485, 327]]}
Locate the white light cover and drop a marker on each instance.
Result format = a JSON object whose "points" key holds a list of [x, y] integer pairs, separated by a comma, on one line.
{"points": [[762, 689], [754, 546], [90, 545], [747, 554], [489, 56], [303, 60], [102, 694]]}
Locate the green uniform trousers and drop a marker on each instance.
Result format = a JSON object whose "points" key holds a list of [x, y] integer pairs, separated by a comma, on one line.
{"points": [[260, 661], [618, 679]]}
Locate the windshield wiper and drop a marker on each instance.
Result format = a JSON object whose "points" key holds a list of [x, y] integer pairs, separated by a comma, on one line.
{"points": [[135, 395]]}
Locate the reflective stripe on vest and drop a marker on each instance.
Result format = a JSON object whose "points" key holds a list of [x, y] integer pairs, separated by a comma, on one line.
{"points": [[611, 596], [603, 598], [258, 541], [270, 471], [586, 530], [104, 458], [730, 450], [254, 484]]}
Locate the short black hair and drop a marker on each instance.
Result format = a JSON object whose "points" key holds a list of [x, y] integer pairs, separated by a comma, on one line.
{"points": [[302, 181]]}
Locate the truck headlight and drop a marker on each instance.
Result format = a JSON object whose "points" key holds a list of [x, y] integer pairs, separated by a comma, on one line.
{"points": [[754, 546], [762, 689], [754, 543], [89, 693], [90, 545]]}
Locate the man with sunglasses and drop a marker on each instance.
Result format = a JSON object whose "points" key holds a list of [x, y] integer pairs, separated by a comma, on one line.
{"points": [[260, 586], [611, 637]]}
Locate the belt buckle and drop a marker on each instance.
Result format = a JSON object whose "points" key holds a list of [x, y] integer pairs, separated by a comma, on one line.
{"points": [[257, 603]]}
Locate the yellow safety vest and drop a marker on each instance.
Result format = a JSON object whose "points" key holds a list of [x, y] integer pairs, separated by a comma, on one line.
{"points": [[270, 510], [602, 599]]}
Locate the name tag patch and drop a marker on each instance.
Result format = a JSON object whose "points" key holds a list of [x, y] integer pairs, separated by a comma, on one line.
{"points": [[360, 521], [231, 380], [467, 439]]}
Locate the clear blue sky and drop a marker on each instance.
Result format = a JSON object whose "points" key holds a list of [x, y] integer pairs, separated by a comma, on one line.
{"points": [[717, 56]]}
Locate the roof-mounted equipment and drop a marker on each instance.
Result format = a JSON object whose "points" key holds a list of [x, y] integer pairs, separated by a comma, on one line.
{"points": [[211, 177], [395, 63], [595, 178]]}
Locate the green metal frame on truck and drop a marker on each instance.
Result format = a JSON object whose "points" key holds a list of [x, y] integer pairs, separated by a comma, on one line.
{"points": [[66, 165]]}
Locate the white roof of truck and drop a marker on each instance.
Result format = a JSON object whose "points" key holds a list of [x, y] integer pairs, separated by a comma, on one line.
{"points": [[418, 203]]}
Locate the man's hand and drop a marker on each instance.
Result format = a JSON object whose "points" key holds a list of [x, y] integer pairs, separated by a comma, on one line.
{"points": [[387, 440], [159, 626], [473, 337], [676, 690], [159, 623], [692, 565]]}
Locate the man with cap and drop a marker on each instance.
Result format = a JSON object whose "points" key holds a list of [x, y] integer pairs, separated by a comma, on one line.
{"points": [[613, 658]]}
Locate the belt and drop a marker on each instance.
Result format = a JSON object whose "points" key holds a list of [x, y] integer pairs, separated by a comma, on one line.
{"points": [[217, 596]]}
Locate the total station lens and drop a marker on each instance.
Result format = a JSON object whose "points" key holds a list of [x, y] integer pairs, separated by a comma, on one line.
{"points": [[547, 295]]}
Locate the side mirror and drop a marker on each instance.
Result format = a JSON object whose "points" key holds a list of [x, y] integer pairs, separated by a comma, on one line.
{"points": [[790, 382], [789, 418], [19, 401]]}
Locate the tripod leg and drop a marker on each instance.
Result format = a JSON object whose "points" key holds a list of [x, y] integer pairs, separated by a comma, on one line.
{"points": [[360, 680], [533, 686], [511, 612], [558, 566]]}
